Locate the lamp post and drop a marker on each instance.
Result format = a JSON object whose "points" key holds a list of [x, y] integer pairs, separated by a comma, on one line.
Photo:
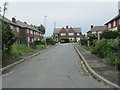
{"points": [[45, 28]]}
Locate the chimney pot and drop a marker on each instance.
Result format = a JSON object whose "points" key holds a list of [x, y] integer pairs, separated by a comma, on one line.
{"points": [[92, 26], [67, 27], [13, 20], [25, 22]]}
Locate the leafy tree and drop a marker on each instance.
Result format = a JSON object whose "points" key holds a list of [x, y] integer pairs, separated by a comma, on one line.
{"points": [[40, 28], [8, 37]]}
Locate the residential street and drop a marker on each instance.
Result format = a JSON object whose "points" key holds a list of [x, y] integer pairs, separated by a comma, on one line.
{"points": [[58, 67]]}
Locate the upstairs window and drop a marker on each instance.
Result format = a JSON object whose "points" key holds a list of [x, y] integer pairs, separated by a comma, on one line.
{"points": [[12, 27], [71, 34], [109, 25], [31, 32], [78, 34], [63, 34], [114, 23], [27, 30], [17, 28]]}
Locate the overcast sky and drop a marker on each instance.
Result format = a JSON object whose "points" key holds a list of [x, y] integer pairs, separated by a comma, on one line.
{"points": [[73, 14]]}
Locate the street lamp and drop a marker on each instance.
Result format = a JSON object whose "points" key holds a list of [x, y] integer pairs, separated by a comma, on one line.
{"points": [[45, 28]]}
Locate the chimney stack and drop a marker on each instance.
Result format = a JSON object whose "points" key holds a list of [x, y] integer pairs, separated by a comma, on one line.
{"points": [[25, 22], [13, 20], [92, 26], [67, 27]]}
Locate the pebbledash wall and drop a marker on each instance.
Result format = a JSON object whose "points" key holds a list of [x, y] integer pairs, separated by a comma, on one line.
{"points": [[73, 34]]}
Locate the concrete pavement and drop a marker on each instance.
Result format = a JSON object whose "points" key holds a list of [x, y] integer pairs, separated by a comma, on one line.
{"points": [[59, 67]]}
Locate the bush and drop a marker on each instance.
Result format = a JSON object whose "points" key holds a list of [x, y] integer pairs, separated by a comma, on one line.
{"points": [[84, 41], [50, 41], [109, 49], [40, 46], [110, 34], [64, 40]]}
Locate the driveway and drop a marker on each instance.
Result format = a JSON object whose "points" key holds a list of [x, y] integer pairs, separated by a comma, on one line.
{"points": [[58, 67]]}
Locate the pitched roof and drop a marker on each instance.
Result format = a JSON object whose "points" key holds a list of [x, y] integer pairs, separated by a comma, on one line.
{"points": [[77, 30], [7, 20], [116, 17], [20, 24], [98, 28]]}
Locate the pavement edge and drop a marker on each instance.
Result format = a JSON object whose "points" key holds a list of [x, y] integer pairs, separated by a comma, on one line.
{"points": [[93, 73], [22, 60]]}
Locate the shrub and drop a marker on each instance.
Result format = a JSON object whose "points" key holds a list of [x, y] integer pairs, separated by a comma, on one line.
{"points": [[84, 41], [64, 40], [110, 34], [50, 41], [109, 49], [40, 46]]}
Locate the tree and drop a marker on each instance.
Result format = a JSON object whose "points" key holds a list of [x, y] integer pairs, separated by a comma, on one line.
{"points": [[40, 28], [8, 37]]}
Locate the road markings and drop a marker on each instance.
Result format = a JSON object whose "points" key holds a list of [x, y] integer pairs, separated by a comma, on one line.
{"points": [[8, 73]]}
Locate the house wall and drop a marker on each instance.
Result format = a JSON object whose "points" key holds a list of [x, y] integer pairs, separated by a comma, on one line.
{"points": [[73, 37], [112, 27]]}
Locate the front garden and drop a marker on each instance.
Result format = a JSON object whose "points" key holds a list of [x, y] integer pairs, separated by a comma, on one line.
{"points": [[108, 48]]}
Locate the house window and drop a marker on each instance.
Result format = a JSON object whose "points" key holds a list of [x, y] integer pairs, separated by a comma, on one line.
{"points": [[27, 30], [78, 34], [31, 32], [63, 34], [109, 25], [12, 27], [28, 39], [71, 34], [114, 23], [17, 28], [78, 39]]}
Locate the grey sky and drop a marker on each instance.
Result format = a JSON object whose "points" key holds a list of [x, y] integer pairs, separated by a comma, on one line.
{"points": [[79, 14]]}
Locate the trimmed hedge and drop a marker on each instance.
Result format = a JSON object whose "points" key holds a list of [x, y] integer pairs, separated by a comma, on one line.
{"points": [[64, 40]]}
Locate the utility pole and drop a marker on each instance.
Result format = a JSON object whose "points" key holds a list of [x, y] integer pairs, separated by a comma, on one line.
{"points": [[45, 29]]}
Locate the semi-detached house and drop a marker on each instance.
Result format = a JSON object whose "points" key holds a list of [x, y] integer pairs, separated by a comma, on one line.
{"points": [[73, 34], [114, 24], [24, 32]]}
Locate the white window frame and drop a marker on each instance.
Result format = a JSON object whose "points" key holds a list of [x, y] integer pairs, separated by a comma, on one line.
{"points": [[71, 34], [31, 31], [27, 30], [114, 23], [17, 29], [78, 34], [109, 25], [12, 27], [63, 34]]}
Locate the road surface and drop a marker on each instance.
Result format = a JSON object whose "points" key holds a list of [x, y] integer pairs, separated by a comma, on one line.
{"points": [[58, 67]]}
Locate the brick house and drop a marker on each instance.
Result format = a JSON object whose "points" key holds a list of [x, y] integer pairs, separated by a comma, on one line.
{"points": [[114, 24], [96, 31], [73, 34], [24, 32]]}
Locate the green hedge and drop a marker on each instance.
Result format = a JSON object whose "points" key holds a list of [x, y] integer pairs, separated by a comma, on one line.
{"points": [[109, 49], [64, 40], [50, 41]]}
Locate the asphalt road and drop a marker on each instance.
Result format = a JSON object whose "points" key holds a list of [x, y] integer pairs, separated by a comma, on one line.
{"points": [[58, 67]]}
